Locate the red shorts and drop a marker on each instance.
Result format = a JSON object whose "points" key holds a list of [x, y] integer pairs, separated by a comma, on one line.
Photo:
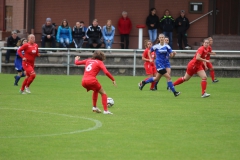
{"points": [[209, 65], [29, 68], [192, 69], [91, 85], [150, 68]]}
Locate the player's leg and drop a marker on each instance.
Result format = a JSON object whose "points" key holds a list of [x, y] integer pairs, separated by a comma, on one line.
{"points": [[212, 73], [17, 77], [94, 100], [149, 80], [169, 72], [203, 76], [169, 81], [104, 101]]}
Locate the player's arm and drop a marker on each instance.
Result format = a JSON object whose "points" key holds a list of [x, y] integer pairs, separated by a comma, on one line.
{"points": [[212, 53], [149, 56], [105, 71], [198, 57], [19, 51], [172, 54], [78, 62], [143, 58]]}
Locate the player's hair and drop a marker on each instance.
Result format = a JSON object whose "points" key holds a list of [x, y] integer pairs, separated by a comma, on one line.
{"points": [[20, 42], [210, 38], [146, 42], [205, 39], [99, 55], [167, 37]]}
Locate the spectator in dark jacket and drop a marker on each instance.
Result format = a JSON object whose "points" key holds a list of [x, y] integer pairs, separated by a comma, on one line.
{"points": [[11, 42], [48, 33], [79, 34], [152, 24], [124, 27], [94, 34], [182, 25], [167, 25]]}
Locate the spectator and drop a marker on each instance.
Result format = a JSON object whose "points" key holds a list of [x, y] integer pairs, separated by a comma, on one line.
{"points": [[124, 27], [94, 34], [79, 34], [11, 42], [64, 34], [167, 25], [182, 25], [152, 23], [48, 33], [108, 32]]}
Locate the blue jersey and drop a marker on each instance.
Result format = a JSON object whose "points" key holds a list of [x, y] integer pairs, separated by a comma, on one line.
{"points": [[18, 62], [162, 55]]}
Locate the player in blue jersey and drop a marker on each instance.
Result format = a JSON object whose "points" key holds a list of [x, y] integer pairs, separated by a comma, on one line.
{"points": [[18, 63], [162, 51]]}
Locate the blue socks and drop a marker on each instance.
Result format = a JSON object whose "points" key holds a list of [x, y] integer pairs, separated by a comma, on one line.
{"points": [[170, 85], [149, 80]]}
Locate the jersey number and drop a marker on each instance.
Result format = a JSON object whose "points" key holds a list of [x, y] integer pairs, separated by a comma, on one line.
{"points": [[89, 67]]}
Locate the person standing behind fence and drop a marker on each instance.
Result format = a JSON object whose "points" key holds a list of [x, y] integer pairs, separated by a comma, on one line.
{"points": [[48, 33], [152, 22], [11, 42], [108, 32], [64, 34], [94, 34], [124, 27], [79, 34], [182, 24], [167, 24]]}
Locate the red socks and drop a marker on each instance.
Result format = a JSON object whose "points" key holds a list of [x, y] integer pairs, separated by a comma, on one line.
{"points": [[104, 102], [24, 83], [94, 98], [204, 85], [212, 74], [179, 81]]}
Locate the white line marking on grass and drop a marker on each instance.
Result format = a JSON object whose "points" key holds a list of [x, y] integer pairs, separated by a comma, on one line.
{"points": [[98, 124]]}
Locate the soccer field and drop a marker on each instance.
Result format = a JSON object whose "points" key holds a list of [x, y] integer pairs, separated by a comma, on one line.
{"points": [[56, 122]]}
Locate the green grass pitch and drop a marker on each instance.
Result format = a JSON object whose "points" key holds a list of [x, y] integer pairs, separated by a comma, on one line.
{"points": [[56, 122]]}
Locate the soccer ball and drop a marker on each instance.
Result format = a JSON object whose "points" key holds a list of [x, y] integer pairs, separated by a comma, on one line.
{"points": [[110, 102]]}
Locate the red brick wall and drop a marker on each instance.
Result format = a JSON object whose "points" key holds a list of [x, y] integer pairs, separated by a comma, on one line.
{"points": [[74, 10]]}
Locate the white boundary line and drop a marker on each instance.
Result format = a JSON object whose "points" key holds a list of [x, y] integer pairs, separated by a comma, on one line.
{"points": [[98, 124]]}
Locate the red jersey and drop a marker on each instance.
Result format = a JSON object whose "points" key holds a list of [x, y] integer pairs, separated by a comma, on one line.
{"points": [[209, 51], [30, 52], [145, 55], [92, 68], [203, 52]]}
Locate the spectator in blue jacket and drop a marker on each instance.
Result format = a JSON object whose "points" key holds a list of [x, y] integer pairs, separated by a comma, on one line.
{"points": [[167, 25], [64, 34], [79, 34], [108, 32]]}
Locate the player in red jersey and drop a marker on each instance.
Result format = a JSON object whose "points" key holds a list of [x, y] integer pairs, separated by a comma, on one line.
{"points": [[150, 67], [92, 68], [30, 53], [195, 66], [209, 64]]}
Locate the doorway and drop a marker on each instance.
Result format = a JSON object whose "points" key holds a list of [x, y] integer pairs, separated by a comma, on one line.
{"points": [[8, 18]]}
